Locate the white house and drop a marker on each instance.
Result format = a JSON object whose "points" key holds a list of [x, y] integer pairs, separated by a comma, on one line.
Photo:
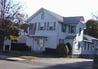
{"points": [[88, 45], [49, 30]]}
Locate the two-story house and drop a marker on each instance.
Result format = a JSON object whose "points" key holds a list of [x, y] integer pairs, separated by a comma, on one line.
{"points": [[49, 30]]}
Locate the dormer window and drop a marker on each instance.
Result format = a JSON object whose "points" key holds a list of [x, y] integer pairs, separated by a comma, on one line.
{"points": [[80, 31], [63, 28], [72, 28], [42, 15]]}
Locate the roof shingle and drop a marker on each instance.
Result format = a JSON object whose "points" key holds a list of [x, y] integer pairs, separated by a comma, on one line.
{"points": [[66, 20], [72, 20]]}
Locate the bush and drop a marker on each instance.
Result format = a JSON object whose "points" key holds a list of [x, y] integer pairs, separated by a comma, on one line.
{"points": [[62, 49], [50, 51], [20, 47]]}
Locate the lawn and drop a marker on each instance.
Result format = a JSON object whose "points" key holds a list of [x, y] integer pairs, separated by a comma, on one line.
{"points": [[19, 55]]}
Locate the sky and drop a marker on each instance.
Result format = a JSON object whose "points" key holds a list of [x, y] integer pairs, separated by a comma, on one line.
{"points": [[64, 8]]}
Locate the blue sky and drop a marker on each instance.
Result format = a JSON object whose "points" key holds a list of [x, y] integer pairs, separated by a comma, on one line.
{"points": [[62, 7]]}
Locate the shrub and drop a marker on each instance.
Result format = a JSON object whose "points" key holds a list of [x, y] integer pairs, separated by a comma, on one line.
{"points": [[62, 49]]}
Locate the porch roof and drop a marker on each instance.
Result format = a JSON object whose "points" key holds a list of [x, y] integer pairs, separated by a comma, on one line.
{"points": [[70, 37], [38, 36], [89, 39], [73, 20]]}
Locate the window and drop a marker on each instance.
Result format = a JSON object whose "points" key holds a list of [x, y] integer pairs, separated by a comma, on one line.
{"points": [[80, 31], [72, 29], [51, 28], [32, 28], [54, 25], [63, 28], [61, 41], [42, 15], [92, 47], [47, 25], [84, 45], [41, 28], [87, 46]]}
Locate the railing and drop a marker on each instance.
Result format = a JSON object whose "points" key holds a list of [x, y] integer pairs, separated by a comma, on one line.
{"points": [[95, 59]]}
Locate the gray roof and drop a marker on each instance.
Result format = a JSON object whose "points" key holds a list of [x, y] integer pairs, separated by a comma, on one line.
{"points": [[72, 20]]}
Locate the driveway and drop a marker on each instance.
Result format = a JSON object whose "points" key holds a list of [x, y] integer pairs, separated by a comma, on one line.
{"points": [[61, 63]]}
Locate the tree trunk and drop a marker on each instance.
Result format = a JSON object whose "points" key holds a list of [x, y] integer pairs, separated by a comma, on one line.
{"points": [[1, 40]]}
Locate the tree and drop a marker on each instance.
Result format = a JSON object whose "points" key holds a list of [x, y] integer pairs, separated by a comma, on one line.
{"points": [[9, 10], [62, 49], [24, 27], [8, 15], [92, 28], [95, 16]]}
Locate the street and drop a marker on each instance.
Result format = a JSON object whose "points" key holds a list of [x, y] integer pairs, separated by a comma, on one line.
{"points": [[48, 63], [16, 65]]}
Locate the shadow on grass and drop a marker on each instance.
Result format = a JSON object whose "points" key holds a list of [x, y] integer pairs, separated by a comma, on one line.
{"points": [[25, 55], [76, 65], [30, 54]]}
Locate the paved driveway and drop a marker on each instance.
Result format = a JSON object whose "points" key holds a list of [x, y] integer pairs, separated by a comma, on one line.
{"points": [[62, 63]]}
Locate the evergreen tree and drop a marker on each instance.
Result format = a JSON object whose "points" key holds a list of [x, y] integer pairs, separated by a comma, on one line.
{"points": [[92, 28]]}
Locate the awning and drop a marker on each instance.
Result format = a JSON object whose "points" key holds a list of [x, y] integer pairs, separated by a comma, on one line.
{"points": [[37, 36], [70, 37]]}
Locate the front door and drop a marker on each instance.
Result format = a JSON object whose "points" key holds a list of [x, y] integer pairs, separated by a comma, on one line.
{"points": [[39, 45]]}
